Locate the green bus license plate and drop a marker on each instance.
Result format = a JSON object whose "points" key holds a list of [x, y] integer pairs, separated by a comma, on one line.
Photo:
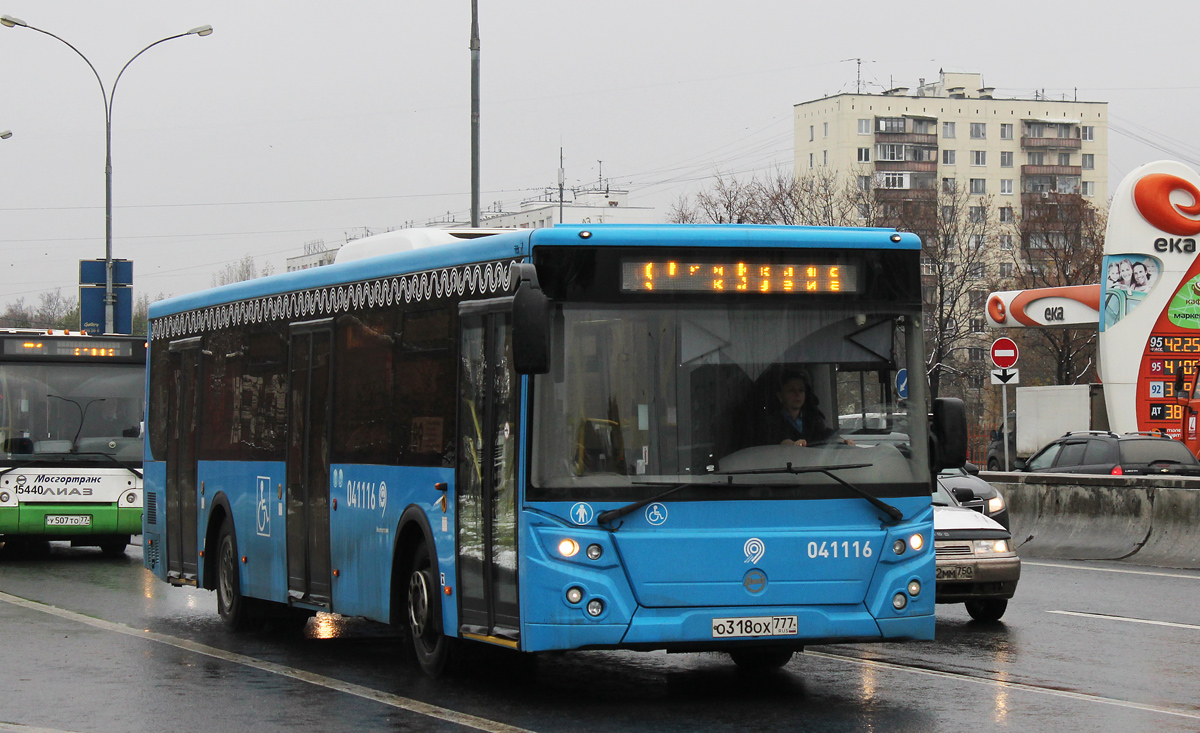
{"points": [[727, 628], [68, 520], [954, 572]]}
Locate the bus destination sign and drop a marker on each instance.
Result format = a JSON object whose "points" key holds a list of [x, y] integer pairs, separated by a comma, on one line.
{"points": [[67, 347], [683, 276]]}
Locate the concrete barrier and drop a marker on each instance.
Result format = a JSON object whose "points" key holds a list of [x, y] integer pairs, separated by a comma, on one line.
{"points": [[1140, 520]]}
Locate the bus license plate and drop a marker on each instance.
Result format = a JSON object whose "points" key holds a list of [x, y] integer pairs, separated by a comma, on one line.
{"points": [[954, 572], [68, 520], [727, 628]]}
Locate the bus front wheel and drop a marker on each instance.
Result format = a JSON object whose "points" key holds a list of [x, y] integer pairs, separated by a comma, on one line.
{"points": [[762, 659], [233, 607], [430, 645]]}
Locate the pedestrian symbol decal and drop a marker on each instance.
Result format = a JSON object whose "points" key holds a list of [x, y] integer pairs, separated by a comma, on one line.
{"points": [[581, 513]]}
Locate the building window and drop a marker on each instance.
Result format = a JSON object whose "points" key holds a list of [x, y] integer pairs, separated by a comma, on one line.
{"points": [[895, 180], [824, 157], [948, 214], [978, 130], [1087, 132], [978, 157], [891, 124], [1006, 159], [864, 182], [1006, 186], [948, 185], [864, 211], [975, 353], [977, 243], [976, 325], [810, 160], [1064, 159], [1089, 161], [811, 132], [947, 129], [1006, 242], [890, 151], [976, 214], [1006, 269], [1006, 131], [976, 298], [947, 157], [977, 271], [978, 186], [1089, 188], [864, 127], [1006, 212], [1036, 130], [864, 155], [1037, 158]]}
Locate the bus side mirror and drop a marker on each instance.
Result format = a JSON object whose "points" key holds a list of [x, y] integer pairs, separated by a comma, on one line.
{"points": [[531, 322], [948, 434]]}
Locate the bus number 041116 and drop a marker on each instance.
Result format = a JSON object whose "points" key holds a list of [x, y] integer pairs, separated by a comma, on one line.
{"points": [[831, 549]]}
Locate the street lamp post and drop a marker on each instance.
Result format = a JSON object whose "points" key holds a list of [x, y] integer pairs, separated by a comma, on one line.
{"points": [[204, 30]]}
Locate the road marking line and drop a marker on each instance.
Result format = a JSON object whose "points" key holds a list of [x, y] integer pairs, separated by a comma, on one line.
{"points": [[1109, 570], [1129, 619], [396, 701], [1082, 696]]}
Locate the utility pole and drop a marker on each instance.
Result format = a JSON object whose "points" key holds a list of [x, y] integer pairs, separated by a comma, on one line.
{"points": [[474, 113]]}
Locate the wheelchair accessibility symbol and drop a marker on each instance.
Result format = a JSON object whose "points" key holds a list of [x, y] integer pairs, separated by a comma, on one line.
{"points": [[656, 514]]}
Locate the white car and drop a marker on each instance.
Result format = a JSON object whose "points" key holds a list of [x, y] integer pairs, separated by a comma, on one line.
{"points": [[976, 562]]}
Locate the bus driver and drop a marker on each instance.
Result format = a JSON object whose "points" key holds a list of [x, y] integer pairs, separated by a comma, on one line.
{"points": [[796, 421]]}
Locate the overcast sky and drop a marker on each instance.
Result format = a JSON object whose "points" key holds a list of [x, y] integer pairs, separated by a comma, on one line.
{"points": [[303, 120]]}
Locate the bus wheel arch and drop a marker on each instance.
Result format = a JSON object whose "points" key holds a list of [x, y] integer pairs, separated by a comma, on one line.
{"points": [[416, 596], [212, 531]]}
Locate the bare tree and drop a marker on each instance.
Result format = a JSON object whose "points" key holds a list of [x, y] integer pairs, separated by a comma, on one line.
{"points": [[1060, 243], [53, 311], [243, 269]]}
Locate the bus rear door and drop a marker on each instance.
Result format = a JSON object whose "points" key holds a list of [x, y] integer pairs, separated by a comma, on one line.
{"points": [[184, 405]]}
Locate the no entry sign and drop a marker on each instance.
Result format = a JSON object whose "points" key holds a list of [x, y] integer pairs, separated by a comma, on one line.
{"points": [[1004, 352]]}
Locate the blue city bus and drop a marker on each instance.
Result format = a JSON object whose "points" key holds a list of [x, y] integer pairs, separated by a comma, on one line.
{"points": [[560, 438]]}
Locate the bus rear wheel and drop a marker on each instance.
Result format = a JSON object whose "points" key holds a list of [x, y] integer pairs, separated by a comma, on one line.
{"points": [[762, 659], [231, 605], [430, 646]]}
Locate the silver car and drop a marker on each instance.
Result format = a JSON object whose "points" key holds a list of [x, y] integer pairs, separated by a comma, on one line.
{"points": [[976, 562]]}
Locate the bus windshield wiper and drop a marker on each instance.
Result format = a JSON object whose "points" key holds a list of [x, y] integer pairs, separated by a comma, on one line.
{"points": [[882, 506], [611, 514]]}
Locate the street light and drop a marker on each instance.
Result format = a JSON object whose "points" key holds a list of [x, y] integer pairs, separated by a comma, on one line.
{"points": [[204, 30], [6, 134]]}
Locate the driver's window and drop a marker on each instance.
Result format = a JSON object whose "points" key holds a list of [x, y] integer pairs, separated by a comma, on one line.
{"points": [[1045, 459]]}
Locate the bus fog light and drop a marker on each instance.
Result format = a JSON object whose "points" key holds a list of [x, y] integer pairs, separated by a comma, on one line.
{"points": [[898, 547], [899, 601], [914, 587], [3, 496], [594, 552], [130, 497], [574, 595], [568, 548], [595, 607], [916, 542]]}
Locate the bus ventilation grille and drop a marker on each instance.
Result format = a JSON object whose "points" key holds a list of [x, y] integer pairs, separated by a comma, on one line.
{"points": [[151, 508]]}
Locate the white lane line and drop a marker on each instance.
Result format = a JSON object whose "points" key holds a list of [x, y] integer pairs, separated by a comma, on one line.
{"points": [[396, 701], [1127, 619], [958, 677], [1109, 570]]}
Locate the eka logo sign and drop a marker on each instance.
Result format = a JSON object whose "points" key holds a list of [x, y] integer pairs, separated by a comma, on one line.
{"points": [[1152, 196]]}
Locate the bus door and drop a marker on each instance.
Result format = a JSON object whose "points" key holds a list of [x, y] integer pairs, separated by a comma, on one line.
{"points": [[307, 520], [183, 404], [486, 500]]}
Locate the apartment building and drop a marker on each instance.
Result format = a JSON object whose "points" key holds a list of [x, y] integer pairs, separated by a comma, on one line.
{"points": [[955, 132]]}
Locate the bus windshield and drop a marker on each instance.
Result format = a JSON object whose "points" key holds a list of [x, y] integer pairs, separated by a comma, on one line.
{"points": [[642, 397], [52, 411]]}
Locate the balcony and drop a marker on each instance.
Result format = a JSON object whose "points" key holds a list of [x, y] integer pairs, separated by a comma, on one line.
{"points": [[906, 194], [906, 166], [911, 138], [1051, 170], [1048, 198], [1051, 143]]}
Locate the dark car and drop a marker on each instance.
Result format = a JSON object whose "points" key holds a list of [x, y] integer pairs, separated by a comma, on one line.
{"points": [[1117, 455], [972, 492], [995, 452]]}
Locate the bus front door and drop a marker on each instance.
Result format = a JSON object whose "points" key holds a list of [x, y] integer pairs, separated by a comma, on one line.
{"points": [[307, 502], [486, 503], [183, 402]]}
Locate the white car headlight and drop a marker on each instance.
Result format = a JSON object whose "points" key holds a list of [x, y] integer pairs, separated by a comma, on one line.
{"points": [[990, 547], [995, 504]]}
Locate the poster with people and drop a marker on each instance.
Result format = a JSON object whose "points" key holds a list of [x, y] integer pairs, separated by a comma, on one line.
{"points": [[1128, 278]]}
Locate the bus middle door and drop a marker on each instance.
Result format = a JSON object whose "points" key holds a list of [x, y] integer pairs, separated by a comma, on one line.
{"points": [[307, 520], [486, 500], [183, 404]]}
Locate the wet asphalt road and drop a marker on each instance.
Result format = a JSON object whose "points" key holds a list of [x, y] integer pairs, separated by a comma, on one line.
{"points": [[89, 643]]}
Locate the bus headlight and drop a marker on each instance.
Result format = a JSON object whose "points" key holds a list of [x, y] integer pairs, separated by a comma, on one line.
{"points": [[594, 552], [916, 542], [914, 587], [899, 547], [568, 547], [574, 595], [899, 601], [595, 607]]}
